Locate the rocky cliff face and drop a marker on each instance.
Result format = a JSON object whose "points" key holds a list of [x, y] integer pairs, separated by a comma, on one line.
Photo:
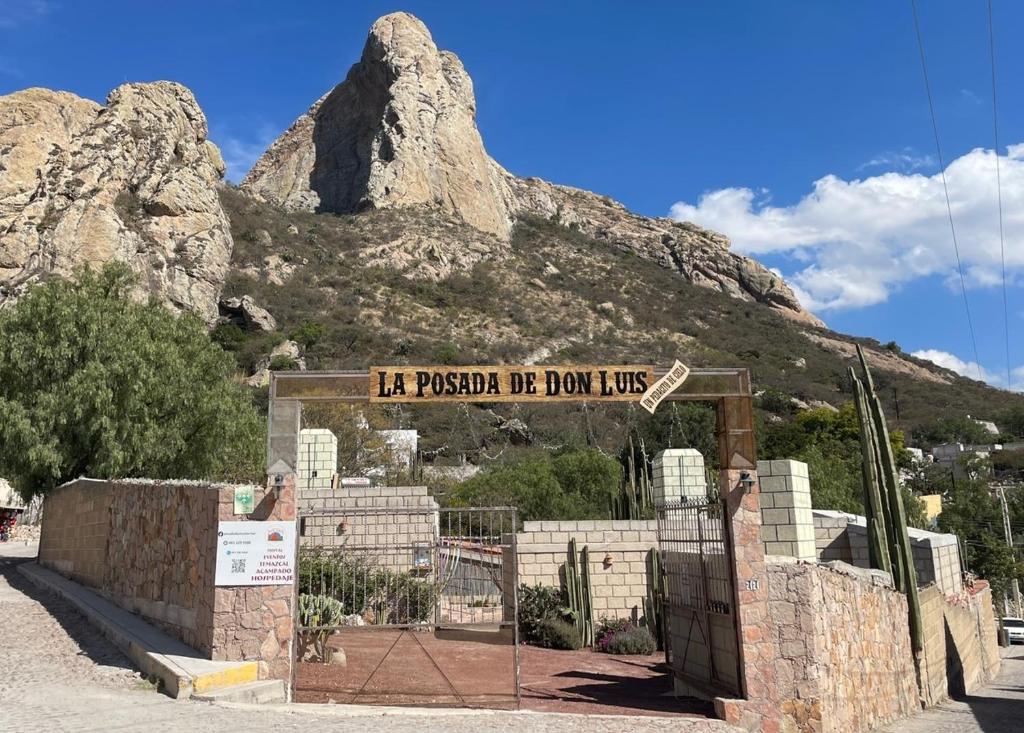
{"points": [[134, 181], [401, 131]]}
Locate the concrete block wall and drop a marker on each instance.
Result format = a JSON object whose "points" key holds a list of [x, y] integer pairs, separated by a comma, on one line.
{"points": [[318, 459], [840, 536], [787, 526], [392, 525], [960, 651], [618, 589], [678, 475]]}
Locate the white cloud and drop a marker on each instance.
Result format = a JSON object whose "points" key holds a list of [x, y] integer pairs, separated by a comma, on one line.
{"points": [[240, 153], [857, 240], [971, 369], [906, 160]]}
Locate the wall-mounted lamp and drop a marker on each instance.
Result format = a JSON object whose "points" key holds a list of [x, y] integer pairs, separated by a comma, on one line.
{"points": [[747, 481], [608, 561], [278, 485]]}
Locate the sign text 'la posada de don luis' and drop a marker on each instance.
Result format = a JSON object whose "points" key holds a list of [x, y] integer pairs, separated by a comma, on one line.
{"points": [[509, 383]]}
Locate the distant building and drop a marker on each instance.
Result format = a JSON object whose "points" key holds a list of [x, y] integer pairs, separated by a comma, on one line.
{"points": [[957, 456]]}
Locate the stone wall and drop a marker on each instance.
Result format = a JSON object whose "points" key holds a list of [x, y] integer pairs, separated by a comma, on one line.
{"points": [[73, 539], [840, 536], [844, 660], [619, 586], [151, 546], [961, 651]]}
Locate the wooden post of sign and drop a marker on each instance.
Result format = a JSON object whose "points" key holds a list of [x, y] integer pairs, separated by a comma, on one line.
{"points": [[756, 653]]}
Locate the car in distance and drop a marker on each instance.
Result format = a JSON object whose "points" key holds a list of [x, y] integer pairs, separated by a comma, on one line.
{"points": [[1014, 629]]}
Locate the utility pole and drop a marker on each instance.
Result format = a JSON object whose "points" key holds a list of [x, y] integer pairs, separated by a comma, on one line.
{"points": [[1014, 584]]}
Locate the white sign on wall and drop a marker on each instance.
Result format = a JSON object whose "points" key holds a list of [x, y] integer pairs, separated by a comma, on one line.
{"points": [[255, 553]]}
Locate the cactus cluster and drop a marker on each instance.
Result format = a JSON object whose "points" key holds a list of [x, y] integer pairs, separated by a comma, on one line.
{"points": [[636, 498], [654, 603], [888, 541], [577, 592], [317, 613]]}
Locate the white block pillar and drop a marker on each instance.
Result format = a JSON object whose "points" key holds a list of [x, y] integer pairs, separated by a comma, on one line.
{"points": [[787, 524], [318, 459], [679, 476]]}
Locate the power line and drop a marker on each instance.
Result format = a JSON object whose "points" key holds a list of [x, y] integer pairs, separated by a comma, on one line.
{"points": [[999, 193], [945, 187]]}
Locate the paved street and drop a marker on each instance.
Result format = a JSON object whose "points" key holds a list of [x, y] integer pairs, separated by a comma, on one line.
{"points": [[998, 708], [58, 674]]}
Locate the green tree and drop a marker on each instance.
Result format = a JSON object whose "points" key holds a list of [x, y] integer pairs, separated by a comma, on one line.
{"points": [[576, 484], [972, 512], [93, 384]]}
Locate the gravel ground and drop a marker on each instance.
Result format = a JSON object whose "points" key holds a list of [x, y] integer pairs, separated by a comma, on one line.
{"points": [[58, 674]]}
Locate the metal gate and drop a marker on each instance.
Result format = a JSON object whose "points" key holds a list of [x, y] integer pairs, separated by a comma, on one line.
{"points": [[698, 562], [407, 605]]}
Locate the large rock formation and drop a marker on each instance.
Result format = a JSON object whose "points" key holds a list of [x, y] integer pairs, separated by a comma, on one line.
{"points": [[134, 181], [401, 130]]}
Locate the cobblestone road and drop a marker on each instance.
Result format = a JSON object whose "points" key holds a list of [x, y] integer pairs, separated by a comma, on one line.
{"points": [[58, 674]]}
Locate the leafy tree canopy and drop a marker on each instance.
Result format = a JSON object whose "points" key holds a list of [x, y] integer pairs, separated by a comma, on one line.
{"points": [[93, 384], [576, 484], [828, 441]]}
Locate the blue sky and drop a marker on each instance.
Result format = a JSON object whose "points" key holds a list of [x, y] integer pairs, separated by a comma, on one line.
{"points": [[799, 129]]}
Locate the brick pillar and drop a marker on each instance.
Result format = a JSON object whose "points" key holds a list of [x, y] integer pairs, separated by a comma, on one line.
{"points": [[787, 525], [737, 455], [678, 475]]}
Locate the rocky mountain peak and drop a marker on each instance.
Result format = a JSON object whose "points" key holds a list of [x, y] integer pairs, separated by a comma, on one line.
{"points": [[134, 180], [399, 130]]}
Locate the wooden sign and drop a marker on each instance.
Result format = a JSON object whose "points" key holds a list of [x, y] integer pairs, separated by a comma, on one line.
{"points": [[509, 383]]}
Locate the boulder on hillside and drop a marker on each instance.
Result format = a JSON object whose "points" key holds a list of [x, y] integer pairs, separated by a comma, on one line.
{"points": [[244, 313]]}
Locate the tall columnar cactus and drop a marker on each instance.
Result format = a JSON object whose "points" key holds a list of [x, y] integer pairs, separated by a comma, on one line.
{"points": [[654, 603], [577, 592], [888, 540]]}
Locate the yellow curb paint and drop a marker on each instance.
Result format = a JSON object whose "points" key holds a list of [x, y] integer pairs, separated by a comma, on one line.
{"points": [[240, 675]]}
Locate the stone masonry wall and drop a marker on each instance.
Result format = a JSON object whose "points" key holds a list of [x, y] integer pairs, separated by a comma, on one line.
{"points": [[619, 589], [73, 539], [844, 659], [961, 652], [158, 558]]}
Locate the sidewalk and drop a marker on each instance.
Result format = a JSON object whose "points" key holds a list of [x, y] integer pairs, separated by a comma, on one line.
{"points": [[57, 673], [997, 708]]}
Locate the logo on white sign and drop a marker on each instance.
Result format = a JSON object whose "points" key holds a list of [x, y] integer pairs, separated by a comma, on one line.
{"points": [[255, 553]]}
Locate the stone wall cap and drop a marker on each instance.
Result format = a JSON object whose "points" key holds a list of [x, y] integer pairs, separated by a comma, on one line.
{"points": [[159, 482], [872, 575]]}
